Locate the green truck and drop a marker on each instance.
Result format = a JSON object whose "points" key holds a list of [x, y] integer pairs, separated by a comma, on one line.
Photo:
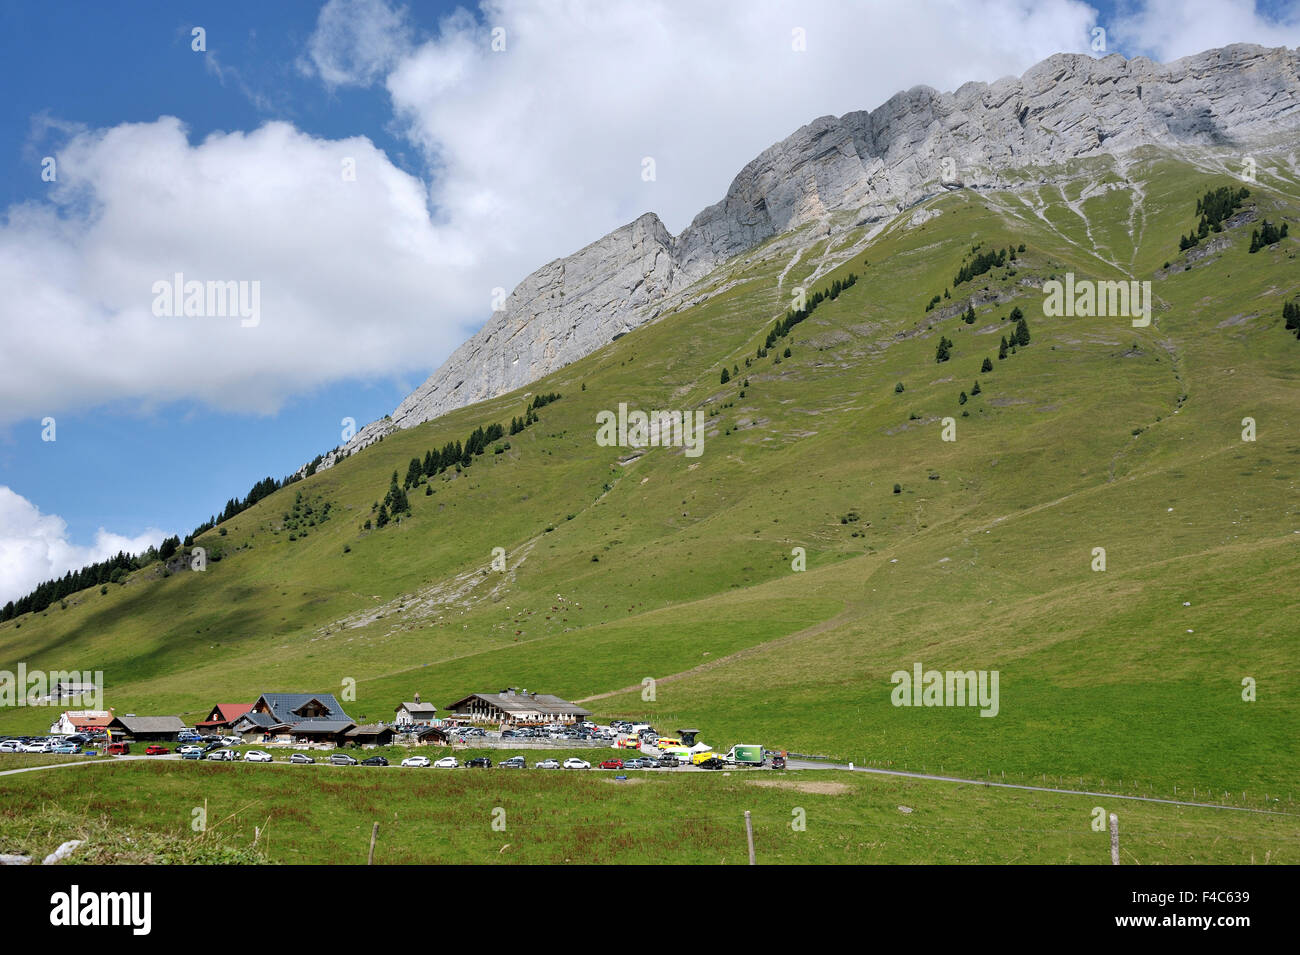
{"points": [[745, 754]]}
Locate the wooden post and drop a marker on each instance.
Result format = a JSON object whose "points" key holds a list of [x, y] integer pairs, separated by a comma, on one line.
{"points": [[374, 832], [1114, 839], [749, 836]]}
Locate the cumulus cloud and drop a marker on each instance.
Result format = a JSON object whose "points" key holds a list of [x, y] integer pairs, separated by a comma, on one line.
{"points": [[348, 272], [1168, 29], [530, 152], [34, 547]]}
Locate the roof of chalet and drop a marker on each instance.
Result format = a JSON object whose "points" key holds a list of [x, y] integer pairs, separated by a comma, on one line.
{"points": [[419, 707], [228, 713], [370, 729], [512, 701], [150, 724], [283, 707], [306, 727]]}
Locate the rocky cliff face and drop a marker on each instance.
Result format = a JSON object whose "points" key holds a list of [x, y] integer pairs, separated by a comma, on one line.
{"points": [[874, 165]]}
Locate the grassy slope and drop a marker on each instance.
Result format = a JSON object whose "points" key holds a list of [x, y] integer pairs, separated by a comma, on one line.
{"points": [[1104, 676]]}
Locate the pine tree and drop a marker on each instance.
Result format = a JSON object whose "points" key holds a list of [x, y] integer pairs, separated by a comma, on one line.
{"points": [[726, 376], [1022, 333], [976, 390], [987, 366], [1002, 349]]}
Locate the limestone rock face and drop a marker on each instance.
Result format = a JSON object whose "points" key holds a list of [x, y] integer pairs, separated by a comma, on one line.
{"points": [[867, 167], [563, 311]]}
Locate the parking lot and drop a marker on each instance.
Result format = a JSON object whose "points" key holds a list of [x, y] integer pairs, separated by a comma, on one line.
{"points": [[619, 747]]}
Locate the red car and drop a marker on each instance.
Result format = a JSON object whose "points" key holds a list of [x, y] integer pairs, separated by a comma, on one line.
{"points": [[156, 750], [612, 764]]}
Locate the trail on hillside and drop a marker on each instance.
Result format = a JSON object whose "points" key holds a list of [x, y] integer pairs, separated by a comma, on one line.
{"points": [[818, 628]]}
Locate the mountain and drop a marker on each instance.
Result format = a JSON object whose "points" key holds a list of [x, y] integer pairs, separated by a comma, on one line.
{"points": [[1112, 528], [868, 166]]}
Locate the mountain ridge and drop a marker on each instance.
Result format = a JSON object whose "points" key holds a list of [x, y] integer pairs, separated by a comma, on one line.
{"points": [[866, 166]]}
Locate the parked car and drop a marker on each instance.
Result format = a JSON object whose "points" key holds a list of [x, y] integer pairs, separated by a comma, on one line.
{"points": [[374, 761], [574, 763], [669, 762], [514, 762], [715, 762], [67, 749], [416, 762], [11, 746], [211, 746], [220, 755], [479, 762], [118, 749], [447, 762], [547, 764], [778, 762], [190, 748], [39, 746], [342, 759], [612, 764], [230, 740], [192, 752], [257, 756], [156, 750], [301, 758]]}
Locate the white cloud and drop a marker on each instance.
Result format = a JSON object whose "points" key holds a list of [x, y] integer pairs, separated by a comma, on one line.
{"points": [[1168, 29], [350, 272], [34, 547], [531, 153], [356, 42]]}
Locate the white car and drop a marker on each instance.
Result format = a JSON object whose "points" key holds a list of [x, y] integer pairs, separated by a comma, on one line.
{"points": [[574, 763], [417, 762], [447, 762], [257, 756], [189, 749], [231, 740], [42, 746], [546, 764], [11, 746]]}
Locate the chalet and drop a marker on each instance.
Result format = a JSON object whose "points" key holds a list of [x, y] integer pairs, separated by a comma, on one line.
{"points": [[142, 728], [81, 721], [373, 734], [517, 707], [416, 713], [295, 717], [223, 718], [433, 736]]}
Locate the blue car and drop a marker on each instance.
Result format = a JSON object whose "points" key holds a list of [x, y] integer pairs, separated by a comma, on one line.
{"points": [[192, 754]]}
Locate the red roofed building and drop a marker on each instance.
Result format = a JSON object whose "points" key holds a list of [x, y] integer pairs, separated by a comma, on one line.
{"points": [[223, 717]]}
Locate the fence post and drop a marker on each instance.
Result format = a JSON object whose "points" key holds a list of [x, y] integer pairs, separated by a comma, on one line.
{"points": [[374, 832], [1114, 839], [749, 836]]}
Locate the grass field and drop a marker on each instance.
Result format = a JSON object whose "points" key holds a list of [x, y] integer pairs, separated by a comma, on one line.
{"points": [[445, 816], [623, 567]]}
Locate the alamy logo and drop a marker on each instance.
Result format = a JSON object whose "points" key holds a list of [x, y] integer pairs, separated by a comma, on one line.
{"points": [[74, 907], [946, 688], [49, 688], [637, 429], [175, 297], [1088, 299]]}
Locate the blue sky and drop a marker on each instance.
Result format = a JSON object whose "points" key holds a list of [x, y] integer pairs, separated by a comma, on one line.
{"points": [[99, 65], [476, 169]]}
